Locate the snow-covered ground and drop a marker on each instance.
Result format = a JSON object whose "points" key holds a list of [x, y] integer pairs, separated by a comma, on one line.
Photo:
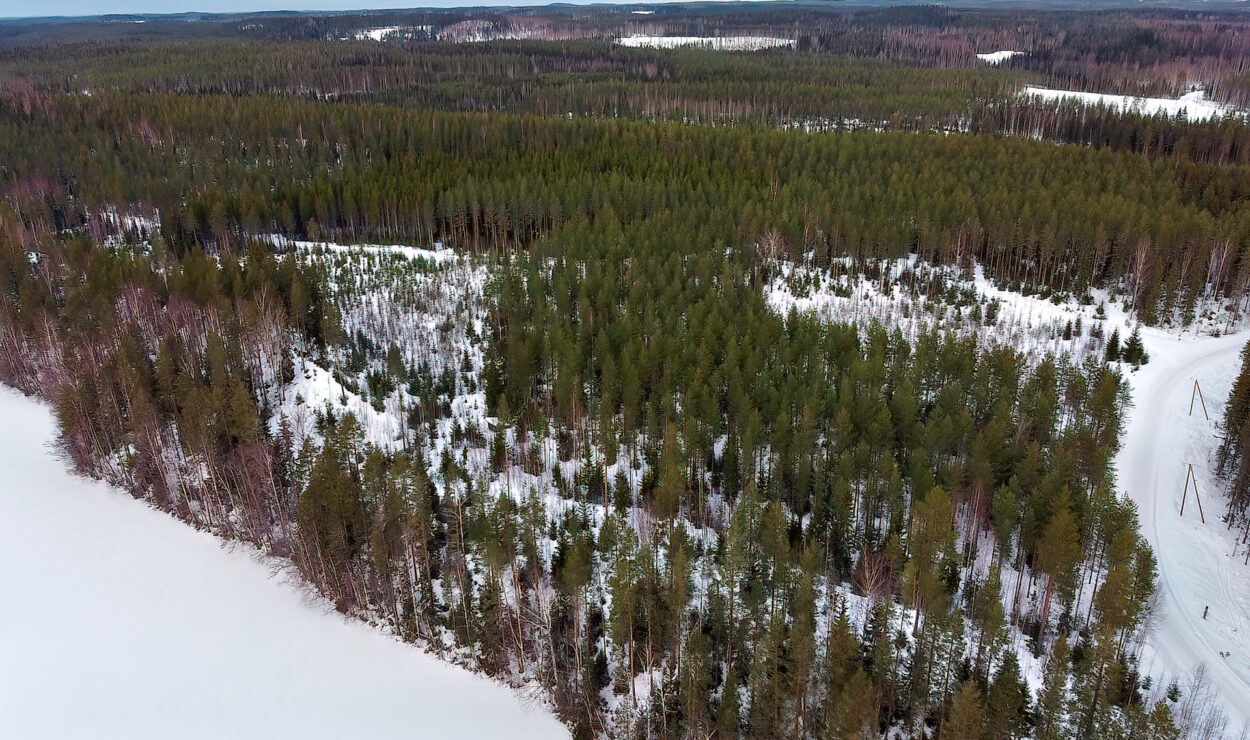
{"points": [[913, 296], [1193, 106], [438, 254], [426, 302], [1200, 565], [386, 33], [720, 43], [120, 622], [377, 34], [996, 57]]}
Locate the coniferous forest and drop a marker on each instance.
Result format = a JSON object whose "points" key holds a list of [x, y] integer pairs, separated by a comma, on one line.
{"points": [[478, 326]]}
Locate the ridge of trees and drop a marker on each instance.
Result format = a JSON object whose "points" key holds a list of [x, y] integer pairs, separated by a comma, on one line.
{"points": [[218, 168]]}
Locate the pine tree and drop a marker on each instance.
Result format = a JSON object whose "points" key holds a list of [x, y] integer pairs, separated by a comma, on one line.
{"points": [[966, 718], [1052, 701], [1058, 555]]}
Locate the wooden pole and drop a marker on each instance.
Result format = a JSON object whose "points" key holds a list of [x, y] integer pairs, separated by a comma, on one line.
{"points": [[1197, 393], [1196, 496], [1185, 494]]}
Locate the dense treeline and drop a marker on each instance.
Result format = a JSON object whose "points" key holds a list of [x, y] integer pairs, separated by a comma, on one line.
{"points": [[1232, 460], [160, 367], [588, 78], [1138, 51], [1218, 141], [217, 168], [583, 77]]}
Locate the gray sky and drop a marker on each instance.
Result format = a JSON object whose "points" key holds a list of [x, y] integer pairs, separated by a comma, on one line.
{"points": [[29, 8]]}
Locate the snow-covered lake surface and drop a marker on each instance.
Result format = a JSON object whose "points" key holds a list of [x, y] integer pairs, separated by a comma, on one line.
{"points": [[721, 43], [1194, 105], [121, 622]]}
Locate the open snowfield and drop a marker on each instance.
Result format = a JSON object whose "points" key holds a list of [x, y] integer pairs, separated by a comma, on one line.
{"points": [[1200, 565], [388, 33], [121, 622], [1193, 106], [719, 43], [997, 57]]}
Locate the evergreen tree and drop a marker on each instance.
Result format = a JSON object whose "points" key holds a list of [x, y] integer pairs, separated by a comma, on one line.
{"points": [[966, 718], [1112, 353]]}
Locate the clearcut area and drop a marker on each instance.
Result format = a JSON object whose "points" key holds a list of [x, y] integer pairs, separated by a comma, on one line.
{"points": [[121, 622]]}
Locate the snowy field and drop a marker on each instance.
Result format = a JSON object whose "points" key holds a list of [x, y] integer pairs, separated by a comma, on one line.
{"points": [[120, 622], [1201, 565], [1193, 106], [997, 57], [377, 34], [719, 43], [389, 33]]}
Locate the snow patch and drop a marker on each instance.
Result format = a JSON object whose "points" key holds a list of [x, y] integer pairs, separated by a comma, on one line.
{"points": [[439, 254], [1193, 106], [720, 43], [389, 33], [997, 57]]}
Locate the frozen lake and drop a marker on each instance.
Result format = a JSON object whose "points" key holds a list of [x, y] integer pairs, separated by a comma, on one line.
{"points": [[121, 622]]}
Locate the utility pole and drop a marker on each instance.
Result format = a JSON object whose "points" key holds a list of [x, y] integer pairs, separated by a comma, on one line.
{"points": [[1197, 393], [1189, 475]]}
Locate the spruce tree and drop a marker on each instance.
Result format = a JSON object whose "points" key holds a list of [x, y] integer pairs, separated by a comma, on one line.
{"points": [[1112, 353]]}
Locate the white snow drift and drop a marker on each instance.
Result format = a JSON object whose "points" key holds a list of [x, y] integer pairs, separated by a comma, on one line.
{"points": [[120, 622]]}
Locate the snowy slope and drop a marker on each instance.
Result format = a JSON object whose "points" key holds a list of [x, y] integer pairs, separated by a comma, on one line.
{"points": [[120, 622], [1199, 565]]}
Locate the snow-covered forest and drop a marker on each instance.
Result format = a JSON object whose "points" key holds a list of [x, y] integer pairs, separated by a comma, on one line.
{"points": [[717, 426]]}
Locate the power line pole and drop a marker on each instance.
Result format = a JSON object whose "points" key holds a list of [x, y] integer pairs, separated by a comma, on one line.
{"points": [[1189, 475], [1197, 393]]}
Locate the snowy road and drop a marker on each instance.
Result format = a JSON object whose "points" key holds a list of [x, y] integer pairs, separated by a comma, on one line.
{"points": [[1197, 567], [117, 621]]}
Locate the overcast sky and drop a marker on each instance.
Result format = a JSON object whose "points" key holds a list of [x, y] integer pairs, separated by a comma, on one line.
{"points": [[28, 8]]}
